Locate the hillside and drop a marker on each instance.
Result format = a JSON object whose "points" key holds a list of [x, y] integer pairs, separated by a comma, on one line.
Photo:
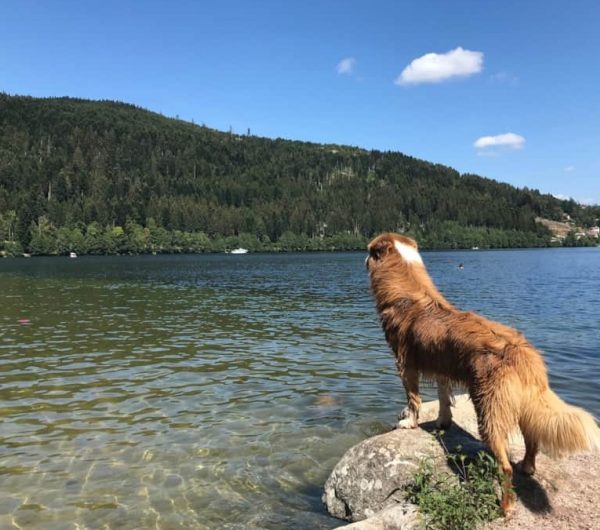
{"points": [[106, 177]]}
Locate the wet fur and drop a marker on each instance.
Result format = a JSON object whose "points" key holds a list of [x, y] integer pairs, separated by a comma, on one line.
{"points": [[504, 374]]}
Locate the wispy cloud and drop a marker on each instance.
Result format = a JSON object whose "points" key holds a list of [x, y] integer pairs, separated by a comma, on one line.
{"points": [[587, 201], [491, 144], [438, 67], [346, 66], [569, 169], [504, 77]]}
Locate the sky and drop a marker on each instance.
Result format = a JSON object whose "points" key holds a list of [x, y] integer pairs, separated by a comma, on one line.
{"points": [[508, 90]]}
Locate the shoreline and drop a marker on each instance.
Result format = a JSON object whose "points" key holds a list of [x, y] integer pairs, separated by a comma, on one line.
{"points": [[281, 251]]}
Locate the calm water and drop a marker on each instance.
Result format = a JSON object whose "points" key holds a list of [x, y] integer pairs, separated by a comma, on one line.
{"points": [[193, 392]]}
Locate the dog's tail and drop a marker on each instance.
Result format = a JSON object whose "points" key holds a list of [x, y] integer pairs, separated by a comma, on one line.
{"points": [[558, 428]]}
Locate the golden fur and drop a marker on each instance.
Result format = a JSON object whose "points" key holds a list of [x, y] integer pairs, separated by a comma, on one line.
{"points": [[504, 374]]}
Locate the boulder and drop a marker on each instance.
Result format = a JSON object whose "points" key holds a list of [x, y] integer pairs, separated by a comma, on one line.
{"points": [[366, 486], [372, 475]]}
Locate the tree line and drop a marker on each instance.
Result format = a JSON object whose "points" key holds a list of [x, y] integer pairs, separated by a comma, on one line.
{"points": [[107, 177]]}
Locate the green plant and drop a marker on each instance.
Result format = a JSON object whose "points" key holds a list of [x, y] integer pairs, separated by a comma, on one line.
{"points": [[461, 501]]}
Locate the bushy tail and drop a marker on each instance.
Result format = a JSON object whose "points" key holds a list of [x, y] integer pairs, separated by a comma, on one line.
{"points": [[558, 428]]}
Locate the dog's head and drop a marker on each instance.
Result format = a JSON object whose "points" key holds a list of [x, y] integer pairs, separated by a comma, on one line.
{"points": [[391, 248]]}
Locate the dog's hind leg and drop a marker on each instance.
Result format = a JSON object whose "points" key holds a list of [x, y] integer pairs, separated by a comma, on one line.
{"points": [[527, 466], [410, 379], [444, 418], [494, 433], [494, 428], [498, 445]]}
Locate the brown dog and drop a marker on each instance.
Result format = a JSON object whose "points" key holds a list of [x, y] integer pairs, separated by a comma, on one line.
{"points": [[504, 374]]}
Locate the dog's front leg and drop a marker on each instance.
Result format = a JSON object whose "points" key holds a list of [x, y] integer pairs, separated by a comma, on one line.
{"points": [[410, 379], [444, 419]]}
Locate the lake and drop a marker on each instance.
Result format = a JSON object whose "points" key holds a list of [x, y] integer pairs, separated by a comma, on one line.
{"points": [[218, 391]]}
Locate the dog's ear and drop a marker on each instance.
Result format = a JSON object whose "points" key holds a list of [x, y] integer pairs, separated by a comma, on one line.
{"points": [[380, 248]]}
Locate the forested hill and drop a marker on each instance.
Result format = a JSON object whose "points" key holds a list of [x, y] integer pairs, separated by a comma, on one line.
{"points": [[101, 176]]}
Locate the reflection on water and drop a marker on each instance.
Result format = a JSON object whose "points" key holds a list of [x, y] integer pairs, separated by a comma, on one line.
{"points": [[218, 391]]}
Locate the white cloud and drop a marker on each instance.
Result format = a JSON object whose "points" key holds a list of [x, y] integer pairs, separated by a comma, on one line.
{"points": [[346, 66], [437, 67], [508, 140], [569, 169]]}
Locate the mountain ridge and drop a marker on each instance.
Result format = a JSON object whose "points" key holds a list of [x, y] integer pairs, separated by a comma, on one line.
{"points": [[133, 180]]}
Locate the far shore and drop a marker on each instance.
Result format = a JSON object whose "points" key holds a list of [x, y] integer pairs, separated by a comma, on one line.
{"points": [[278, 251]]}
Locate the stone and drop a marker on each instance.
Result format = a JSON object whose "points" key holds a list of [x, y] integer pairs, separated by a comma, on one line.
{"points": [[401, 516], [372, 475], [366, 486]]}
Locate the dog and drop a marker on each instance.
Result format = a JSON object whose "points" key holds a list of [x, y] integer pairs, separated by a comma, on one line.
{"points": [[504, 374]]}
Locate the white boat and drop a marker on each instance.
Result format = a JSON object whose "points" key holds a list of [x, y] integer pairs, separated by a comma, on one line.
{"points": [[239, 251], [72, 255]]}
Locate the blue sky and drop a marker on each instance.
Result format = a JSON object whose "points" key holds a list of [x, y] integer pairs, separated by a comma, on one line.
{"points": [[522, 79]]}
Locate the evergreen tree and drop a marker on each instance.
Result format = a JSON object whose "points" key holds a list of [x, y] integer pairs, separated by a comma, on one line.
{"points": [[106, 177]]}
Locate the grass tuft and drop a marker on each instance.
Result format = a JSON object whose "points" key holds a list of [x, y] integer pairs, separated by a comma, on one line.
{"points": [[462, 501]]}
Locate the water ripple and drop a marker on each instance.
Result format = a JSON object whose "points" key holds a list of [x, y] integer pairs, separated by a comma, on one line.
{"points": [[210, 392]]}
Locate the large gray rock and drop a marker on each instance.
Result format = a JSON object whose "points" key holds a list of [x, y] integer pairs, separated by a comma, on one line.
{"points": [[371, 476], [366, 485]]}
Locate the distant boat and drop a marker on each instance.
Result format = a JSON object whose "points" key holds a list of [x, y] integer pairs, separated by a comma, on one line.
{"points": [[239, 250], [72, 255], [474, 248]]}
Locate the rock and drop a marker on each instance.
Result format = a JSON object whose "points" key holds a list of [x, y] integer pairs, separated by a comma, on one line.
{"points": [[372, 475], [401, 516], [367, 484]]}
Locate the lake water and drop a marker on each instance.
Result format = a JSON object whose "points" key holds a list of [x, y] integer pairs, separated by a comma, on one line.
{"points": [[218, 391]]}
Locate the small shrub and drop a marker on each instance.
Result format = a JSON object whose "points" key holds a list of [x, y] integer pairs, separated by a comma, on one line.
{"points": [[464, 501]]}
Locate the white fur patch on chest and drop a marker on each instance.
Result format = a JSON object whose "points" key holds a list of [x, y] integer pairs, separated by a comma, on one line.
{"points": [[408, 253]]}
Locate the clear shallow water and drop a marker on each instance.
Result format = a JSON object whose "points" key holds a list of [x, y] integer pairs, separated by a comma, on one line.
{"points": [[201, 392]]}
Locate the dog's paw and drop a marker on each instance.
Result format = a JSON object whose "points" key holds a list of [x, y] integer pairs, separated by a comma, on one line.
{"points": [[443, 423], [526, 468], [444, 419], [508, 505], [404, 413], [407, 423]]}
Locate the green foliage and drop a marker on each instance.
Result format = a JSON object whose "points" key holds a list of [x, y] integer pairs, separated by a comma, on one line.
{"points": [[106, 177], [573, 240], [464, 501], [11, 249]]}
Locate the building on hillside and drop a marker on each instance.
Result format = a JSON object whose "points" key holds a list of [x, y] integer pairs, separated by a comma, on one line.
{"points": [[594, 231]]}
